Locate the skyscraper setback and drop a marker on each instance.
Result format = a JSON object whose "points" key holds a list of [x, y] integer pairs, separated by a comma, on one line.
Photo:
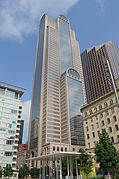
{"points": [[96, 72], [57, 88]]}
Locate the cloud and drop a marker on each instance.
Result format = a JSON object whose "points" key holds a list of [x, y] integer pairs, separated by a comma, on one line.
{"points": [[26, 118], [101, 4], [19, 18]]}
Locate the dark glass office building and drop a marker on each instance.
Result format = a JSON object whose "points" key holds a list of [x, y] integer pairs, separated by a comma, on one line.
{"points": [[21, 132], [96, 72]]}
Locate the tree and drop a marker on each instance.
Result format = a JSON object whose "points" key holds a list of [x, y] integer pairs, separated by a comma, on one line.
{"points": [[85, 163], [34, 172], [106, 154], [7, 172], [24, 171], [0, 172]]}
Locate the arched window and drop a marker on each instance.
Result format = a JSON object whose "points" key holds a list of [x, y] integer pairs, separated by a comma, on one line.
{"points": [[111, 102], [114, 118], [105, 104], [100, 107], [108, 120], [91, 112], [116, 127]]}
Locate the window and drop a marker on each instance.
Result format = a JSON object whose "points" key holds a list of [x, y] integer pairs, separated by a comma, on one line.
{"points": [[87, 128], [93, 134], [114, 118], [11, 132], [107, 113], [89, 145], [98, 133], [57, 148], [62, 149], [14, 111], [112, 110], [104, 130], [87, 136], [10, 94], [102, 123], [92, 126], [110, 129], [95, 109], [73, 149], [101, 115], [8, 153], [94, 143], [96, 117], [91, 111], [105, 104], [100, 107], [97, 124], [10, 142], [53, 148], [85, 114], [112, 139], [10, 125], [65, 149], [108, 120], [116, 127], [118, 138], [2, 91], [16, 95], [111, 102]]}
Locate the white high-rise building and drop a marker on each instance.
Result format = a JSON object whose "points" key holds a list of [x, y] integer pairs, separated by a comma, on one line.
{"points": [[10, 121]]}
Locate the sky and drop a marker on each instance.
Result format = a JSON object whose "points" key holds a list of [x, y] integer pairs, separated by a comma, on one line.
{"points": [[94, 21]]}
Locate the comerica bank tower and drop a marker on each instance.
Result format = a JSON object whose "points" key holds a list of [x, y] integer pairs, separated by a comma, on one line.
{"points": [[58, 90]]}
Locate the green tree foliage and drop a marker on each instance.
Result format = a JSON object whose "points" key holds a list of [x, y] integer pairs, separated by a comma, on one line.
{"points": [[7, 172], [24, 171], [85, 163], [106, 154], [0, 172], [34, 172]]}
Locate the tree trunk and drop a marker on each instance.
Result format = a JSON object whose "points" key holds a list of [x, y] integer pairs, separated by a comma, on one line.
{"points": [[86, 176]]}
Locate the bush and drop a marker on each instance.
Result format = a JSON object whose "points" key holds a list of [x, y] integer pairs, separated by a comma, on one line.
{"points": [[97, 177]]}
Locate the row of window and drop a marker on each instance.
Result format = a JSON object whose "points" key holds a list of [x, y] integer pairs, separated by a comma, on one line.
{"points": [[108, 121], [9, 93], [59, 149], [109, 131], [111, 138], [100, 107]]}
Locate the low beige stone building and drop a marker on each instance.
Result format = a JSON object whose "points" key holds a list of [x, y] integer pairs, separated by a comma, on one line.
{"points": [[102, 113]]}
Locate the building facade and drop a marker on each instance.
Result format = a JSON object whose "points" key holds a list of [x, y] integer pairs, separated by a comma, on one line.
{"points": [[71, 101], [77, 131], [22, 155], [57, 88], [21, 132], [10, 121], [102, 113], [95, 64]]}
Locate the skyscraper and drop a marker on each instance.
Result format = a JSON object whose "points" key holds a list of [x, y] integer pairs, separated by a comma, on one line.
{"points": [[96, 72], [10, 121], [57, 88]]}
